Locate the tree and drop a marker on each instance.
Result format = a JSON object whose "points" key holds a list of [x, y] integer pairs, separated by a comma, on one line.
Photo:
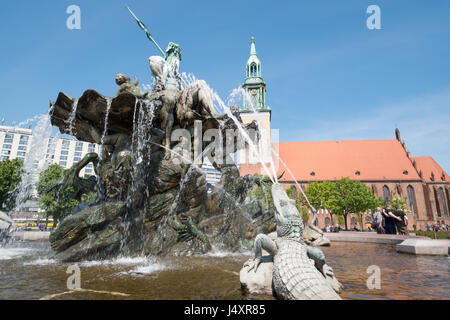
{"points": [[403, 205], [302, 209], [352, 197], [56, 202], [10, 176], [322, 195]]}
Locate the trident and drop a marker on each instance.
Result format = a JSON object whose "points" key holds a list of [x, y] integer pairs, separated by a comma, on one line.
{"points": [[143, 27]]}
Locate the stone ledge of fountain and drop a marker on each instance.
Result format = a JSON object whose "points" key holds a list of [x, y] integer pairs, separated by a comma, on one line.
{"points": [[369, 237], [31, 235], [435, 247]]}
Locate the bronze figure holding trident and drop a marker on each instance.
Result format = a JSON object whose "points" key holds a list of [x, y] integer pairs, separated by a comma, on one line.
{"points": [[167, 70]]}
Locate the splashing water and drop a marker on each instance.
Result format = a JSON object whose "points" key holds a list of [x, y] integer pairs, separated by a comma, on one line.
{"points": [[34, 160], [244, 134], [240, 91], [144, 112], [72, 116], [190, 79], [244, 95], [105, 127]]}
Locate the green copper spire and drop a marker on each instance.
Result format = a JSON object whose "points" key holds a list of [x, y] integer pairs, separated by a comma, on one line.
{"points": [[254, 84], [252, 47]]}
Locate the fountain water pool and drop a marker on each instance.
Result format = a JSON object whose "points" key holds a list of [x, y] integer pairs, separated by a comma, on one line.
{"points": [[28, 272]]}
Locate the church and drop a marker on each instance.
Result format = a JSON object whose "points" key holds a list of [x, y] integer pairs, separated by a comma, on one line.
{"points": [[385, 166]]}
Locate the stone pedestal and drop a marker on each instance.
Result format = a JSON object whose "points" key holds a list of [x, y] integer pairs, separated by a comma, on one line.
{"points": [[425, 247]]}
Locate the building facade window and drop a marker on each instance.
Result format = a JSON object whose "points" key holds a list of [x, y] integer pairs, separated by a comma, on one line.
{"points": [[448, 197], [22, 148], [412, 199], [386, 193], [327, 222], [4, 158], [436, 200], [444, 204], [65, 152], [63, 163], [7, 146], [23, 140], [65, 144], [8, 138], [21, 154]]}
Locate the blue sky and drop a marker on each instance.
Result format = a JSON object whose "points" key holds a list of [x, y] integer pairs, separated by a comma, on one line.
{"points": [[328, 77]]}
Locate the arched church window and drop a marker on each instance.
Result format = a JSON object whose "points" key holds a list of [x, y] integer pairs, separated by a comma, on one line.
{"points": [[386, 193], [327, 222], [412, 199], [253, 70], [448, 197], [444, 204], [438, 207]]}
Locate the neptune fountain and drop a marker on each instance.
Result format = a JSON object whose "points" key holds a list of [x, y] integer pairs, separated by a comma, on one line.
{"points": [[153, 199]]}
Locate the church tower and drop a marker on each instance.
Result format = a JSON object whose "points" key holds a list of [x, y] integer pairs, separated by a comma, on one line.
{"points": [[255, 87], [254, 84]]}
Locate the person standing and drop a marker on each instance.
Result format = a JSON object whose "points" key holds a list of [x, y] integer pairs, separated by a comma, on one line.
{"points": [[389, 220], [402, 220], [378, 221]]}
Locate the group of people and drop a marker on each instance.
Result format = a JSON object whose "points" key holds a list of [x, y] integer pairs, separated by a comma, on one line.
{"points": [[438, 227], [390, 222]]}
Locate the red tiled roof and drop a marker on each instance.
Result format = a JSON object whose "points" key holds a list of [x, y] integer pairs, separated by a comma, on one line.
{"points": [[374, 160], [429, 165]]}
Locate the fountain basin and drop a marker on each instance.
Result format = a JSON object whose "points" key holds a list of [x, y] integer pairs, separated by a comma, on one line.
{"points": [[425, 247]]}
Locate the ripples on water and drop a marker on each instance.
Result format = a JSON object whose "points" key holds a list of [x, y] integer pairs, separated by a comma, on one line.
{"points": [[27, 271]]}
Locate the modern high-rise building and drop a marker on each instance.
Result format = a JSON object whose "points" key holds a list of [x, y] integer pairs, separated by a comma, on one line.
{"points": [[66, 151]]}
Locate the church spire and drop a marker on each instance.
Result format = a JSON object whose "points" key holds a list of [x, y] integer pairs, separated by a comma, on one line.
{"points": [[254, 84], [252, 47], [253, 63]]}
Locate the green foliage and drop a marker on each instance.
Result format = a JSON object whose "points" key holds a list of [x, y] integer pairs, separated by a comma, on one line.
{"points": [[10, 176], [322, 195], [299, 200], [340, 220], [397, 201], [292, 192], [342, 197], [304, 212], [434, 234], [264, 194], [58, 203]]}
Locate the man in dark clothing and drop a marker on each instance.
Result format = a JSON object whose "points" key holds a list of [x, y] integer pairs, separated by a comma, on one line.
{"points": [[402, 223], [389, 220]]}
